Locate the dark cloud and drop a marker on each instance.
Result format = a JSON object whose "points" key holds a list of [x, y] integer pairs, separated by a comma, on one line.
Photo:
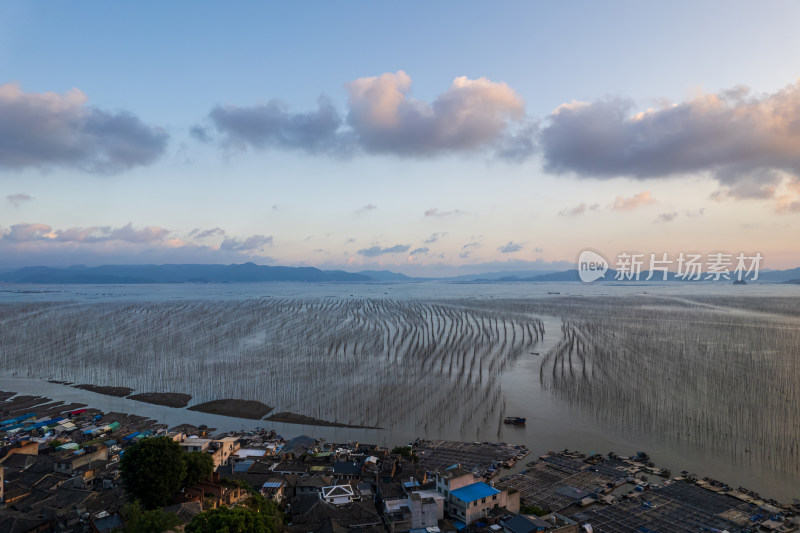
{"points": [[366, 208], [520, 145], [272, 125], [213, 232], [510, 247], [254, 242], [748, 143], [18, 199], [375, 251], [435, 237], [471, 245], [667, 217], [422, 250], [200, 133], [53, 130]]}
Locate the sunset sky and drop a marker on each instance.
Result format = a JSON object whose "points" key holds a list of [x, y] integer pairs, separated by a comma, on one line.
{"points": [[422, 137]]}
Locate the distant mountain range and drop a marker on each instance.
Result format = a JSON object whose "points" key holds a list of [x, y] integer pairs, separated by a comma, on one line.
{"points": [[177, 274], [250, 272]]}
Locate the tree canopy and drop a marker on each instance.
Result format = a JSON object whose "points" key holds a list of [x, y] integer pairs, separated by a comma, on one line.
{"points": [[199, 466], [258, 515], [153, 470], [137, 520]]}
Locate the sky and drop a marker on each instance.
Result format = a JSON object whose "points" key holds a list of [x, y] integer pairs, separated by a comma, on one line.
{"points": [[429, 138]]}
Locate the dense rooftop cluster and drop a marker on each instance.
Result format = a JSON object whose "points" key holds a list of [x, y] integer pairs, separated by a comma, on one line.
{"points": [[61, 472]]}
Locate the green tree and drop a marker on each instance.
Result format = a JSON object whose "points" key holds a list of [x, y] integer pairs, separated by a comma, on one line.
{"points": [[153, 470], [238, 520], [199, 466], [137, 520], [403, 451], [532, 509]]}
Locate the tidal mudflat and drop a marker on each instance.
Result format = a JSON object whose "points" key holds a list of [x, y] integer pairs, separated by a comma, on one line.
{"points": [[706, 382]]}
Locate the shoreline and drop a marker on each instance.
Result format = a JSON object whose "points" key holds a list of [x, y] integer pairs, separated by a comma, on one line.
{"points": [[233, 409], [13, 405], [230, 407]]}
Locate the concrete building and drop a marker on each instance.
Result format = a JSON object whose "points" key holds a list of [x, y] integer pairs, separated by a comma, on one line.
{"points": [[67, 461], [222, 449], [467, 500], [195, 445], [424, 511]]}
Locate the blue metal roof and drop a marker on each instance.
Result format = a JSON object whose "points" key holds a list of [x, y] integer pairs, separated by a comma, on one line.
{"points": [[473, 492], [272, 485]]}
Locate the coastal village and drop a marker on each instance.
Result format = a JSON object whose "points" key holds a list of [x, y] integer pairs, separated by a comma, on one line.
{"points": [[60, 471]]}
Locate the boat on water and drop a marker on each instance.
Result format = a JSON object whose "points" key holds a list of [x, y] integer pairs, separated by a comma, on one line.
{"points": [[514, 420]]}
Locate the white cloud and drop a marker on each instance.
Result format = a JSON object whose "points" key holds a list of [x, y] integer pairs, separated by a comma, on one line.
{"points": [[749, 143], [44, 130]]}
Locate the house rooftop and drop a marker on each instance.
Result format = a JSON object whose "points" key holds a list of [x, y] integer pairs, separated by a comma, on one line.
{"points": [[455, 471], [573, 493], [347, 468], [473, 492], [194, 442]]}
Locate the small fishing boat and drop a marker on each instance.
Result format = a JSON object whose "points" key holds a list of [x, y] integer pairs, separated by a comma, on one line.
{"points": [[514, 420]]}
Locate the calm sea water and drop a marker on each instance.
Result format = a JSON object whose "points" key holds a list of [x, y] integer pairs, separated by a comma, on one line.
{"points": [[552, 424]]}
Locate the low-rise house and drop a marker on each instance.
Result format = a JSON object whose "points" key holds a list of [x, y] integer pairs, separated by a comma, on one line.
{"points": [[347, 470], [551, 523], [418, 510], [298, 446], [311, 484], [468, 500], [247, 454], [310, 513], [339, 494], [291, 467], [212, 494], [185, 511], [425, 511], [106, 523], [222, 449], [195, 444], [67, 461], [86, 475], [23, 447], [274, 490]]}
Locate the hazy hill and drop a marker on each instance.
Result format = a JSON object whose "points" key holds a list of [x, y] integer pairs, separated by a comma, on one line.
{"points": [[177, 274]]}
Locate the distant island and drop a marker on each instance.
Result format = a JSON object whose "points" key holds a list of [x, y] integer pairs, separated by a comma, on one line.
{"points": [[251, 272], [128, 274]]}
